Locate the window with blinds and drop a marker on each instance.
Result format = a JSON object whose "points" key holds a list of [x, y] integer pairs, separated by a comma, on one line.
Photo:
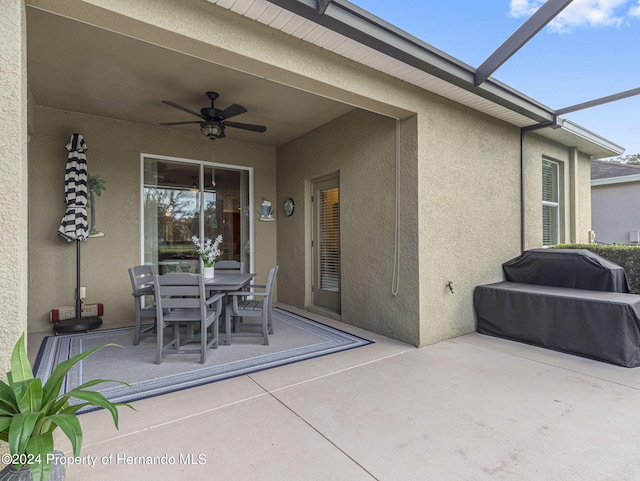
{"points": [[550, 203], [329, 217]]}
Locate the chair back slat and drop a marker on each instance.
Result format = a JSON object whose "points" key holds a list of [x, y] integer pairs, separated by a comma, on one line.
{"points": [[181, 298], [180, 303], [141, 280], [172, 290], [230, 266], [180, 290]]}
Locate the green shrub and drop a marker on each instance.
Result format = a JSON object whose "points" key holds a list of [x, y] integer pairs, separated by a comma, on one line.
{"points": [[627, 257]]}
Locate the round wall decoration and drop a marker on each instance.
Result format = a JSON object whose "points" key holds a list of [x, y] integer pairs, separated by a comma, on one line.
{"points": [[289, 206]]}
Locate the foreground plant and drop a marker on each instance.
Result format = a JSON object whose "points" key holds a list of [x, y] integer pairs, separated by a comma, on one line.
{"points": [[30, 411]]}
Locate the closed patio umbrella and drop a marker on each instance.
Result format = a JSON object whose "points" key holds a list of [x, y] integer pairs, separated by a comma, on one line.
{"points": [[74, 225]]}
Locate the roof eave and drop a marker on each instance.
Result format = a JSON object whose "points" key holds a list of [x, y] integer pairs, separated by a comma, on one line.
{"points": [[616, 180], [492, 97], [353, 22], [599, 147]]}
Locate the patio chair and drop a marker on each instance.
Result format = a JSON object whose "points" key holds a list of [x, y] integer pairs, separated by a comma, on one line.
{"points": [[142, 285], [230, 266], [240, 306], [181, 299]]}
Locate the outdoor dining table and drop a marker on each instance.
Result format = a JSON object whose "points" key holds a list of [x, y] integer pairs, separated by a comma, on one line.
{"points": [[228, 281]]}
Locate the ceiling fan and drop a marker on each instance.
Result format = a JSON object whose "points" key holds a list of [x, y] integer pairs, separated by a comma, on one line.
{"points": [[215, 120]]}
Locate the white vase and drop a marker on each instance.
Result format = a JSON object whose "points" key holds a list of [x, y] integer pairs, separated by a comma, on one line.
{"points": [[208, 272]]}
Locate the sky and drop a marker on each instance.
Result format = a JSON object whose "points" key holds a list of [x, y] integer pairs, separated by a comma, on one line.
{"points": [[591, 50]]}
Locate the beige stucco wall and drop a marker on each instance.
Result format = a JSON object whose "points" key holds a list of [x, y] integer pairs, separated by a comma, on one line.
{"points": [[360, 146], [575, 191], [13, 178], [114, 149], [582, 202], [469, 212], [13, 182]]}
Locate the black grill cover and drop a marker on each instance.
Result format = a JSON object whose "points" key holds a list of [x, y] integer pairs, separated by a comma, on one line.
{"points": [[573, 268], [594, 324]]}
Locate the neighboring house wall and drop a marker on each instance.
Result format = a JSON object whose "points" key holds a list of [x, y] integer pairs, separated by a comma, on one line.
{"points": [[614, 211], [114, 149], [13, 179]]}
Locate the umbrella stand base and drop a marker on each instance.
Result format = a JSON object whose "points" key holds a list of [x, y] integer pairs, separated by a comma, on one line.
{"points": [[85, 324]]}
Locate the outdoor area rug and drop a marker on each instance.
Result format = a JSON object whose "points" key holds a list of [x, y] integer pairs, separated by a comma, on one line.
{"points": [[295, 338]]}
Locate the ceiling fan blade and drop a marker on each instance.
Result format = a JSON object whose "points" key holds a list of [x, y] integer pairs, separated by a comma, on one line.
{"points": [[231, 111], [253, 128], [182, 123], [184, 109]]}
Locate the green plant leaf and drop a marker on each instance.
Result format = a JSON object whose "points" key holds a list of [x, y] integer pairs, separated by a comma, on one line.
{"points": [[5, 422], [56, 378], [7, 398], [30, 397], [41, 446], [20, 389], [93, 382], [70, 425], [62, 404], [97, 399], [20, 366], [73, 409], [5, 408], [20, 431]]}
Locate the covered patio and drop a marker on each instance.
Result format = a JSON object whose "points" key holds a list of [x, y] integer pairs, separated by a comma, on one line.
{"points": [[115, 100], [414, 144], [474, 407]]}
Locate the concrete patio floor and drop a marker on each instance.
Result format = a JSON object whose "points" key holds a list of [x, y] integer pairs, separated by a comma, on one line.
{"points": [[472, 408]]}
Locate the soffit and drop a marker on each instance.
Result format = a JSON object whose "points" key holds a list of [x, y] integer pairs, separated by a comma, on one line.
{"points": [[287, 22], [455, 72]]}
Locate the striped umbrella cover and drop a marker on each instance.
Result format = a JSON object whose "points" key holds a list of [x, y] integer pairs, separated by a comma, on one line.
{"points": [[74, 224]]}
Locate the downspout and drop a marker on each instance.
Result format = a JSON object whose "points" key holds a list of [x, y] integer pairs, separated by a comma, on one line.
{"points": [[395, 282]]}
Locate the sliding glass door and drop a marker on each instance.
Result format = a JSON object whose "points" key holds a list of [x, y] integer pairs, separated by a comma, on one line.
{"points": [[182, 199]]}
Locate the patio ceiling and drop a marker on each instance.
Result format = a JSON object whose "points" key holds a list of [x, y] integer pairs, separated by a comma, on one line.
{"points": [[79, 67]]}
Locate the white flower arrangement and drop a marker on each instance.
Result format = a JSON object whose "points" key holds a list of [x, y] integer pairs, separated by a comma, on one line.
{"points": [[209, 251]]}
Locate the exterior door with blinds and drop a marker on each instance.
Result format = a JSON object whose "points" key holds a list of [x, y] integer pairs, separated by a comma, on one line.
{"points": [[326, 243]]}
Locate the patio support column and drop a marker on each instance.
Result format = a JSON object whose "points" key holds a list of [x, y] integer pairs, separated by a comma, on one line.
{"points": [[573, 195], [13, 177]]}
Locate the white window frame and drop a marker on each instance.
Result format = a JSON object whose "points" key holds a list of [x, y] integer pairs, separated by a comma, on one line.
{"points": [[555, 205], [202, 164]]}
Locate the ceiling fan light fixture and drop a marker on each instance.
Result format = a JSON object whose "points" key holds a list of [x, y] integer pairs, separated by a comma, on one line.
{"points": [[211, 129], [213, 121], [194, 186]]}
